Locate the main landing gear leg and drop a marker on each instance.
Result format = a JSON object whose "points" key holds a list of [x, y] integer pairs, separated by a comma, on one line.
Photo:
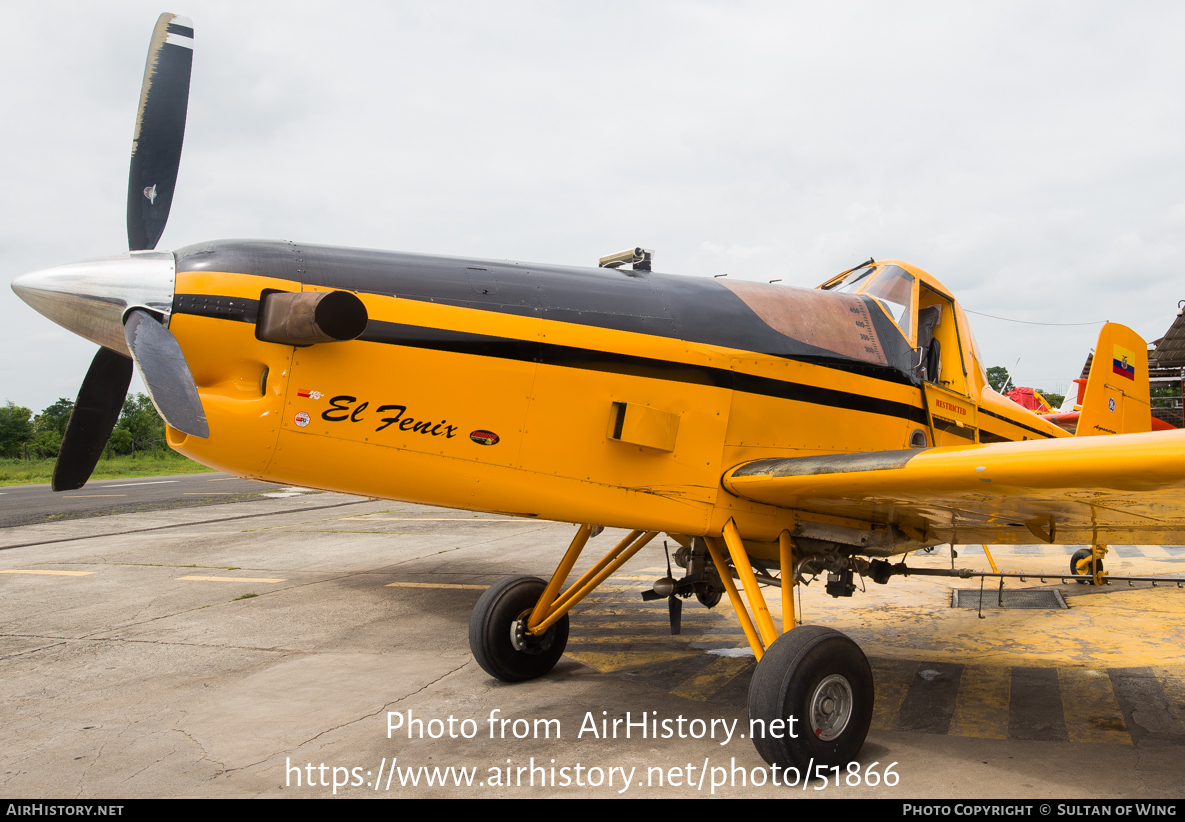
{"points": [[1087, 565], [519, 627], [811, 696]]}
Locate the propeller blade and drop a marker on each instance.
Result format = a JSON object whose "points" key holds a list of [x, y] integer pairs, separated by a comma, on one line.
{"points": [[166, 374], [95, 413], [675, 605], [160, 130]]}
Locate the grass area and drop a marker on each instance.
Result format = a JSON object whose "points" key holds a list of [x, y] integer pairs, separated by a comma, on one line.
{"points": [[20, 472]]}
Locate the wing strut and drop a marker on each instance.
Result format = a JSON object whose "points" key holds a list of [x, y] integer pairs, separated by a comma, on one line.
{"points": [[546, 613], [744, 568], [734, 597]]}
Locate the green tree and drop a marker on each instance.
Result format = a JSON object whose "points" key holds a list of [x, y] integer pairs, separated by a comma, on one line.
{"points": [[46, 443], [142, 427], [120, 441], [16, 429], [997, 377], [1055, 400], [49, 428], [55, 417]]}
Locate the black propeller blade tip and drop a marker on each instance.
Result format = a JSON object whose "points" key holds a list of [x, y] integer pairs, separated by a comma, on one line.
{"points": [[100, 401], [160, 130]]}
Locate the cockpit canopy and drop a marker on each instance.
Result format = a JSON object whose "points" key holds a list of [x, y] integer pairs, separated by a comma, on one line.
{"points": [[893, 288], [927, 316]]}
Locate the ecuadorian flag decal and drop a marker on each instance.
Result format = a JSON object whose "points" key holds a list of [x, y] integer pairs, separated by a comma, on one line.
{"points": [[1123, 363]]}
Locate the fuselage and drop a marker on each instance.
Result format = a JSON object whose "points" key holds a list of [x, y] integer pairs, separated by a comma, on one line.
{"points": [[571, 394]]}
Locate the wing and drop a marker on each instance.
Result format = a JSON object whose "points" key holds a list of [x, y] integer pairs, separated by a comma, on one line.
{"points": [[1122, 489]]}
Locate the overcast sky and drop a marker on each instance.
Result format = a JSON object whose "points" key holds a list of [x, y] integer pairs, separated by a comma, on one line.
{"points": [[1030, 156]]}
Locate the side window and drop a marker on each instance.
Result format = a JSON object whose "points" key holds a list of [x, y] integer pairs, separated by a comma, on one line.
{"points": [[929, 347], [939, 345]]}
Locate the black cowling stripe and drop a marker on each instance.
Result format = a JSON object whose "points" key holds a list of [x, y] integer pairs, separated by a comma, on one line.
{"points": [[245, 310], [1010, 421], [694, 309], [507, 348], [460, 342], [216, 305]]}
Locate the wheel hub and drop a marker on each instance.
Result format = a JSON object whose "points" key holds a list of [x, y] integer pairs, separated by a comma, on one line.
{"points": [[528, 643], [831, 707]]}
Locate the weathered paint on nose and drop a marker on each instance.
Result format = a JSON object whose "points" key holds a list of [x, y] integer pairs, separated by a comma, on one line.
{"points": [[92, 298]]}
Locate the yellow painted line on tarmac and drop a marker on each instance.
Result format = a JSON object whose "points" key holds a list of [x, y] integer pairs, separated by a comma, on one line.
{"points": [[633, 638], [52, 573], [981, 707], [435, 585], [229, 579], [92, 496], [698, 624], [365, 518], [1091, 710], [609, 662], [716, 676], [214, 493]]}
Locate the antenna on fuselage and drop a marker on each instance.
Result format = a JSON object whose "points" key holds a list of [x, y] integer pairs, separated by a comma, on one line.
{"points": [[639, 258], [1004, 387]]}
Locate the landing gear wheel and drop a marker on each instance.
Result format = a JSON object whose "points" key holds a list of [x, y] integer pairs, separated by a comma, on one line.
{"points": [[1086, 575], [497, 632], [823, 680]]}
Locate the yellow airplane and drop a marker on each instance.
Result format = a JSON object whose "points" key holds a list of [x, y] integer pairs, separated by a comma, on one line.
{"points": [[773, 432]]}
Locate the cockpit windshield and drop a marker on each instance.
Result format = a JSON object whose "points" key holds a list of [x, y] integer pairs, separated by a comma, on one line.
{"points": [[852, 281], [892, 287]]}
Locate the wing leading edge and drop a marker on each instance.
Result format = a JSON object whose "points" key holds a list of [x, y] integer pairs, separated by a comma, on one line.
{"points": [[1122, 489]]}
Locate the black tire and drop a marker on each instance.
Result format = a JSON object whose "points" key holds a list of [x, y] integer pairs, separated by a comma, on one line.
{"points": [[808, 665], [499, 608], [1088, 577]]}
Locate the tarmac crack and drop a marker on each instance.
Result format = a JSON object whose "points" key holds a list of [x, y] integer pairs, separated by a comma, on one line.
{"points": [[293, 587], [142, 770], [470, 545], [68, 640], [353, 721], [205, 754], [32, 650], [91, 764], [93, 636], [180, 525]]}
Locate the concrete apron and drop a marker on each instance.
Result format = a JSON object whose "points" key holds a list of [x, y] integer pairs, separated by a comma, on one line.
{"points": [[148, 671]]}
